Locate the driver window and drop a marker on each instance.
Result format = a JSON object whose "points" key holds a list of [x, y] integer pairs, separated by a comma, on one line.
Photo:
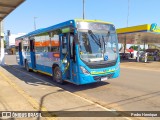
{"points": [[86, 43]]}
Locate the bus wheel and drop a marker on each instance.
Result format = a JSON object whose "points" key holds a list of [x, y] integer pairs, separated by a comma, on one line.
{"points": [[27, 66], [57, 75]]}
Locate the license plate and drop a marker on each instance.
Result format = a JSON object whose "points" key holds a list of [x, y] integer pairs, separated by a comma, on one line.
{"points": [[103, 79]]}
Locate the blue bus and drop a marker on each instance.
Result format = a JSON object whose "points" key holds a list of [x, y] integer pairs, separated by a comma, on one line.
{"points": [[77, 51]]}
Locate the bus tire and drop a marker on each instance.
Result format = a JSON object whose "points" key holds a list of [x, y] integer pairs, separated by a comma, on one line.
{"points": [[57, 75], [27, 66]]}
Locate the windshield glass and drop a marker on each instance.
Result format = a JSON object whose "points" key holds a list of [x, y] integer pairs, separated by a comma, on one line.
{"points": [[97, 46]]}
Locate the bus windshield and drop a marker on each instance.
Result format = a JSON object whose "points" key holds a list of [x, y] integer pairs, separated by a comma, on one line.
{"points": [[95, 46]]}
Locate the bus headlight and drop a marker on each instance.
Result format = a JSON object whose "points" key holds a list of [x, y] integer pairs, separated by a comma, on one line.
{"points": [[84, 70]]}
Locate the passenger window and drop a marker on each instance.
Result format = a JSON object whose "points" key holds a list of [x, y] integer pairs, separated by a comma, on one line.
{"points": [[55, 49], [55, 38], [71, 45], [64, 44]]}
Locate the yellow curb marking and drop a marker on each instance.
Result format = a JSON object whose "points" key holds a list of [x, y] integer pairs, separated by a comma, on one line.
{"points": [[85, 99], [31, 100]]}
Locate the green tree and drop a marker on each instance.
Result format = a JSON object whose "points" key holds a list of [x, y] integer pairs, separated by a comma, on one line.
{"points": [[4, 44], [134, 47]]}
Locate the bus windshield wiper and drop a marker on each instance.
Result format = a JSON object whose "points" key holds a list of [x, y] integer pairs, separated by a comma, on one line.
{"points": [[108, 34], [97, 41], [104, 43]]}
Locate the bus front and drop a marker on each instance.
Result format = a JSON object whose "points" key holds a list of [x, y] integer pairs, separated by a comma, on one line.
{"points": [[97, 52]]}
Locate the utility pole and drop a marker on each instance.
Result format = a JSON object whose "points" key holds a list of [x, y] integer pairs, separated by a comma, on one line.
{"points": [[35, 23], [83, 9], [2, 43], [125, 40], [128, 12]]}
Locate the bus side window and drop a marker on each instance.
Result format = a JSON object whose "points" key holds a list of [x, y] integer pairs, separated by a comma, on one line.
{"points": [[54, 43], [45, 49], [64, 44], [55, 49], [71, 45]]}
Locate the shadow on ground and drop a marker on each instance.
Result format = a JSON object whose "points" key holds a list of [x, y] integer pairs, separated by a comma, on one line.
{"points": [[36, 79]]}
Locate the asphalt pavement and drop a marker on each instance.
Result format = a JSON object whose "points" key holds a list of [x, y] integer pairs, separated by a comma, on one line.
{"points": [[137, 89], [23, 91]]}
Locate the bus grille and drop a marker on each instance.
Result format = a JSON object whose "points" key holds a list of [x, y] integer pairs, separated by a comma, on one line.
{"points": [[102, 65], [98, 78]]}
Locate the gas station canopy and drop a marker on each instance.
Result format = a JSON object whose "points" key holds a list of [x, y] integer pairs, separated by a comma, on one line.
{"points": [[140, 28], [7, 6], [147, 33]]}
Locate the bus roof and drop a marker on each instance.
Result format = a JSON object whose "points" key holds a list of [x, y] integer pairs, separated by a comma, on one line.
{"points": [[85, 20], [21, 37], [58, 26], [51, 28]]}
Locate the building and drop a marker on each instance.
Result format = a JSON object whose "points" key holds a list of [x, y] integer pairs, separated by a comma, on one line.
{"points": [[10, 42]]}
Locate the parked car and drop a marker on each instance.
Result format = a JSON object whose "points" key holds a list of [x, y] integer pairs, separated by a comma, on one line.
{"points": [[152, 55]]}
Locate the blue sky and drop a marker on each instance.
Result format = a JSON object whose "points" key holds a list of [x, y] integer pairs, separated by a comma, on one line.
{"points": [[50, 12]]}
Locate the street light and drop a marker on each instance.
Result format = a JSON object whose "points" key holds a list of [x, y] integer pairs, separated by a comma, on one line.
{"points": [[35, 23]]}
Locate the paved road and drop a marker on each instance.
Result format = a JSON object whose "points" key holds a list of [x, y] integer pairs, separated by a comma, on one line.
{"points": [[134, 90]]}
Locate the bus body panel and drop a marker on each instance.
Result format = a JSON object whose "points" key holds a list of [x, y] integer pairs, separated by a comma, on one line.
{"points": [[33, 60], [19, 59], [45, 61]]}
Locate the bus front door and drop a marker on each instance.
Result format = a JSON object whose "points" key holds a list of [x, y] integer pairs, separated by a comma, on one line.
{"points": [[65, 57], [32, 54], [20, 53]]}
